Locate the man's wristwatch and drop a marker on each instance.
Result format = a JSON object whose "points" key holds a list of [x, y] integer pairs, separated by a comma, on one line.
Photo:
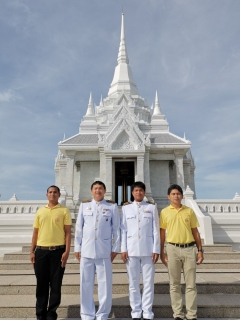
{"points": [[200, 250]]}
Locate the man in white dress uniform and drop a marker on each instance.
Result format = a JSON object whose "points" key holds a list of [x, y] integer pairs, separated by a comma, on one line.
{"points": [[97, 242], [140, 249]]}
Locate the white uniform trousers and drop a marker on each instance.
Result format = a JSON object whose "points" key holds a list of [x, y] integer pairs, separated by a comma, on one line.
{"points": [[103, 268], [134, 267]]}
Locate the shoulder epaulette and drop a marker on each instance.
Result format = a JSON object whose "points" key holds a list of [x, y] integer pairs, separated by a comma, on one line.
{"points": [[150, 202], [125, 203], [110, 201], [88, 200]]}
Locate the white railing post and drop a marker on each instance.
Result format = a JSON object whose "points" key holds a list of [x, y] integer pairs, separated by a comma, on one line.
{"points": [[205, 228]]}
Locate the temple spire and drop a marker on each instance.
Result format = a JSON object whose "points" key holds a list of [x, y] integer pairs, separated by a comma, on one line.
{"points": [[123, 80], [101, 102], [90, 106], [157, 109], [122, 54]]}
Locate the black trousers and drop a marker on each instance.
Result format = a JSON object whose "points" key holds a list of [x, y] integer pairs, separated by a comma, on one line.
{"points": [[49, 274]]}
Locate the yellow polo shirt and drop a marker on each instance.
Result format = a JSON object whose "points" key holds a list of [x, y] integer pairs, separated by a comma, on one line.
{"points": [[178, 224], [50, 223]]}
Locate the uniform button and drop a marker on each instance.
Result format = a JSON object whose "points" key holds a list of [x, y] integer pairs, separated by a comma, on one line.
{"points": [[139, 228], [97, 220], [97, 212], [138, 220], [95, 239], [139, 237], [138, 212], [95, 228]]}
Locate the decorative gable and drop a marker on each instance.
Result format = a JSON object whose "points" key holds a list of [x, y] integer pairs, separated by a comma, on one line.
{"points": [[124, 99], [124, 133], [123, 142]]}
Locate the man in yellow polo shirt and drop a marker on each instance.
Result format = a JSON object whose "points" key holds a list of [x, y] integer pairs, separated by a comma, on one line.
{"points": [[49, 253], [182, 234]]}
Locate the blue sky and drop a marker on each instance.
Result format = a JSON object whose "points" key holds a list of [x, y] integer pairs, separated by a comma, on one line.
{"points": [[53, 53]]}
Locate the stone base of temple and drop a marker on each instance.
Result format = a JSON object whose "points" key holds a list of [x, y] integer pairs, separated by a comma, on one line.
{"points": [[217, 284]]}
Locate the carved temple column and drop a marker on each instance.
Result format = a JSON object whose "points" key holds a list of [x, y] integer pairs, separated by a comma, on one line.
{"points": [[102, 174], [69, 179], [109, 177], [147, 175], [179, 171], [140, 168]]}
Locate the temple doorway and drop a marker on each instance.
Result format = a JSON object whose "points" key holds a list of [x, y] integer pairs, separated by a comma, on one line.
{"points": [[124, 178]]}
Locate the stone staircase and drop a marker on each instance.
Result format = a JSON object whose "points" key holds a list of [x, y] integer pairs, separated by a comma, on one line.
{"points": [[218, 283]]}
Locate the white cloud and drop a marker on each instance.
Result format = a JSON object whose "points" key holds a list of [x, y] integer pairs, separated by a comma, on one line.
{"points": [[7, 96], [54, 53]]}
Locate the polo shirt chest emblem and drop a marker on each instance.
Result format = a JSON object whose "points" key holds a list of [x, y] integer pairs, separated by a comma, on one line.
{"points": [[57, 219], [186, 220]]}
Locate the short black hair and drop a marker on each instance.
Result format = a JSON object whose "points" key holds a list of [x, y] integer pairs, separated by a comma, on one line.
{"points": [[138, 184], [175, 186], [98, 182], [53, 187]]}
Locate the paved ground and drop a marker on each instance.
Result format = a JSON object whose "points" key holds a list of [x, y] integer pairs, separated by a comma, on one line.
{"points": [[120, 319]]}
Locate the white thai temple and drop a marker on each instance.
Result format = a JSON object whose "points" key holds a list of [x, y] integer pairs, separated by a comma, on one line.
{"points": [[120, 141], [123, 140]]}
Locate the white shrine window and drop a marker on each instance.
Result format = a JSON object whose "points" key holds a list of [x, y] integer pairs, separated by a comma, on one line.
{"points": [[22, 210], [237, 209], [15, 210], [229, 209], [221, 209], [206, 208], [7, 211], [213, 209], [30, 210]]}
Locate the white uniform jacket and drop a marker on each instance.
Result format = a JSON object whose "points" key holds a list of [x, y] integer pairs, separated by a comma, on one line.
{"points": [[97, 231], [140, 229]]}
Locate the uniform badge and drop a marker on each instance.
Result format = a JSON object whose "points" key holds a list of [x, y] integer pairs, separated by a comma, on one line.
{"points": [[147, 211], [105, 210], [88, 208]]}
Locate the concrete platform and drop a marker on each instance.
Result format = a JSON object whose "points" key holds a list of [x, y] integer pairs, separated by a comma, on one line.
{"points": [[207, 248], [121, 318], [224, 283], [116, 271], [207, 256], [218, 284], [209, 306]]}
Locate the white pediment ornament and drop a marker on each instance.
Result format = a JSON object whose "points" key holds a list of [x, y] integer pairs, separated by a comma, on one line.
{"points": [[123, 143], [123, 112], [124, 133]]}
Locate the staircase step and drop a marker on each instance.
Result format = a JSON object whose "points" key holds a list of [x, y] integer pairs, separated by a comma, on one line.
{"points": [[208, 255], [209, 306], [206, 283], [118, 264], [116, 271], [207, 248]]}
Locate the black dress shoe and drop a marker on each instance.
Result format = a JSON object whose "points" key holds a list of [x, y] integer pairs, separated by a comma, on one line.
{"points": [[136, 318], [179, 318]]}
